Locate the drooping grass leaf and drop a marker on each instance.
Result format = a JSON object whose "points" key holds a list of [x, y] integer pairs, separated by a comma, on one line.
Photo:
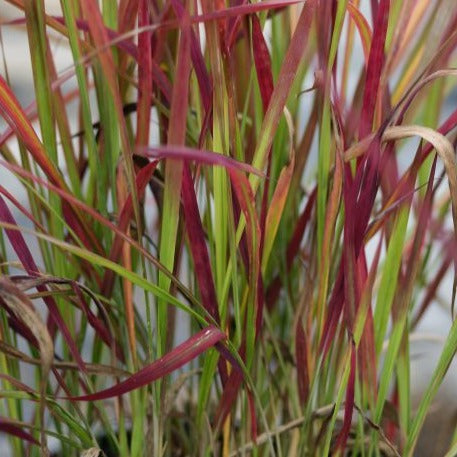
{"points": [[176, 358]]}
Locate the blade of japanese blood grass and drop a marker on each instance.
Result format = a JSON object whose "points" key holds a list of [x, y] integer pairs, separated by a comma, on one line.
{"points": [[437, 40], [204, 81], [431, 291], [329, 425], [325, 154], [176, 135], [23, 308], [359, 197], [450, 345], [125, 18], [362, 332], [220, 143], [128, 11], [220, 129], [100, 37], [277, 102], [406, 101], [202, 265], [229, 396], [97, 324], [60, 101], [126, 261], [283, 85], [19, 245], [83, 88], [12, 428], [254, 306], [125, 216], [389, 277], [303, 149], [350, 292], [41, 60], [253, 316], [342, 438], [364, 29], [173, 360], [200, 156], [361, 147], [195, 233], [17, 120], [262, 62], [238, 11], [349, 48], [364, 309], [269, 227], [374, 69], [446, 152], [21, 208], [329, 227], [144, 75]]}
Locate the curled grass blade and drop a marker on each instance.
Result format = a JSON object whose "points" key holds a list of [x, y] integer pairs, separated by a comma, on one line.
{"points": [[176, 358]]}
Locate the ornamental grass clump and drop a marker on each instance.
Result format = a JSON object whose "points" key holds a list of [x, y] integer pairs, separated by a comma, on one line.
{"points": [[221, 224]]}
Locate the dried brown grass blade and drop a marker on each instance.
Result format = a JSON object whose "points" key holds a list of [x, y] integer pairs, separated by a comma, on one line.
{"points": [[21, 305]]}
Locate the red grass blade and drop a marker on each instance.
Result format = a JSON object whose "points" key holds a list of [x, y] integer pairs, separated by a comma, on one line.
{"points": [[198, 155], [199, 251], [364, 29], [13, 114], [285, 80], [262, 62], [176, 358], [11, 428], [375, 65], [19, 245]]}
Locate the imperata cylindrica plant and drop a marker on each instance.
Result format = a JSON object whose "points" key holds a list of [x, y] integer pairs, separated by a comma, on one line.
{"points": [[227, 228]]}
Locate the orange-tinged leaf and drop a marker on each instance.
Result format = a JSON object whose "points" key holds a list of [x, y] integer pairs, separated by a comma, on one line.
{"points": [[122, 196], [363, 27], [276, 208], [14, 115]]}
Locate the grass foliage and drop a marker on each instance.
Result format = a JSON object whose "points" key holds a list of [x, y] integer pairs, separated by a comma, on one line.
{"points": [[228, 232]]}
